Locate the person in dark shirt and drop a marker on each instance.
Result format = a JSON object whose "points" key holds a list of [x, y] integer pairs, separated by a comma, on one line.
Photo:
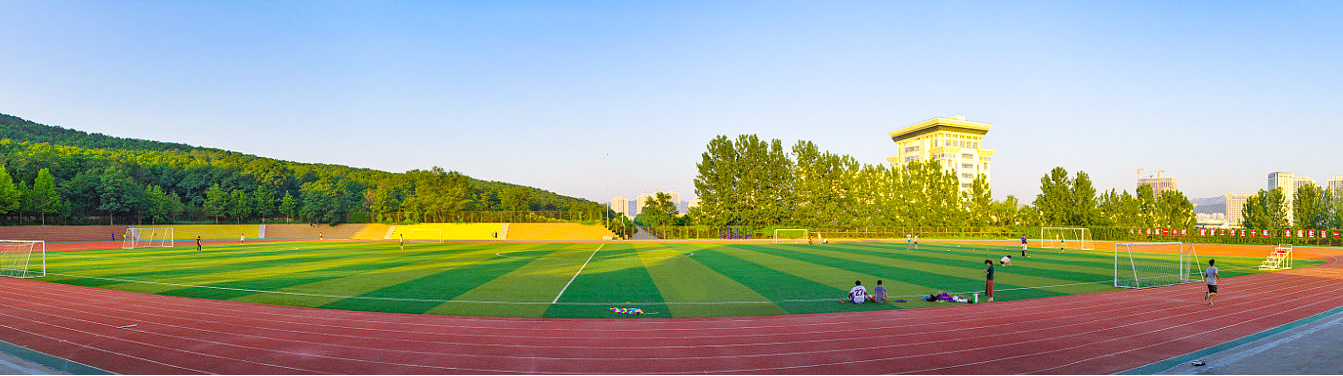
{"points": [[988, 284], [198, 243]]}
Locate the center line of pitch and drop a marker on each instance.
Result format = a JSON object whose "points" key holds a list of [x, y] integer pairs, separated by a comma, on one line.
{"points": [[580, 271]]}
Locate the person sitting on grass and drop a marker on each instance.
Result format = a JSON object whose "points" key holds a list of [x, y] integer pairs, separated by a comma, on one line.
{"points": [[858, 294], [879, 293]]}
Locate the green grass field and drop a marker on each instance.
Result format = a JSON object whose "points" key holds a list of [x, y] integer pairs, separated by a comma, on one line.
{"points": [[523, 279]]}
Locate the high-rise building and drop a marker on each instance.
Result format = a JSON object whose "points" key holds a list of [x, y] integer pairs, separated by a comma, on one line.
{"points": [[1336, 184], [1302, 181], [620, 205], [953, 142], [1160, 184], [642, 200], [675, 200], [1235, 208], [1287, 182]]}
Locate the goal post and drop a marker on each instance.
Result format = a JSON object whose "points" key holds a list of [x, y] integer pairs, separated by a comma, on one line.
{"points": [[791, 235], [1069, 237], [1143, 265], [23, 258], [141, 237], [424, 235]]}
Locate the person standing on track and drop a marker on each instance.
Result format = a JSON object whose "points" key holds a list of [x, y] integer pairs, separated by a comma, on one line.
{"points": [[198, 243], [988, 284], [1023, 247], [1211, 277]]}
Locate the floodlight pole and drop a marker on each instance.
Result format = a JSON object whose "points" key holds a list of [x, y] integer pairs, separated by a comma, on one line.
{"points": [[606, 215]]}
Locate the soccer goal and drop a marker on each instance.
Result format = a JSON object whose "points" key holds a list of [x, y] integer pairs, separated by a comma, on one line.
{"points": [[23, 258], [141, 237], [1065, 237], [791, 235], [424, 235], [1143, 265], [1280, 259]]}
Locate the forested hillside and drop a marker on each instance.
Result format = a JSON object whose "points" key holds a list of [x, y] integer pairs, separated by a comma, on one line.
{"points": [[57, 175]]}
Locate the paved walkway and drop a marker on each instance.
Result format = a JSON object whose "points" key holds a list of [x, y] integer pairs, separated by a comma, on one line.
{"points": [[1311, 349]]}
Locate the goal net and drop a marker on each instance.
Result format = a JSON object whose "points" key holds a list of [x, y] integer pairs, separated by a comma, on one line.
{"points": [[23, 258], [141, 237], [424, 235], [790, 235], [1143, 265], [1065, 237], [1281, 258]]}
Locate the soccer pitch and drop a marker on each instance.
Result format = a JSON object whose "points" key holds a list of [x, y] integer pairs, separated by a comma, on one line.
{"points": [[544, 279]]}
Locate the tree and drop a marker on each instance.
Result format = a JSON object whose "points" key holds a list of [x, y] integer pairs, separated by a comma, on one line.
{"points": [[117, 193], [1309, 208], [239, 205], [216, 202], [659, 211], [43, 197], [980, 200], [288, 206], [1265, 210], [1085, 210], [10, 198], [515, 199], [263, 202], [1175, 210], [1055, 200]]}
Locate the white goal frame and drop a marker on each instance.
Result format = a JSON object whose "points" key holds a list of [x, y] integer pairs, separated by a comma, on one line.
{"points": [[438, 235], [1050, 237], [16, 260], [1127, 274], [142, 237], [806, 236]]}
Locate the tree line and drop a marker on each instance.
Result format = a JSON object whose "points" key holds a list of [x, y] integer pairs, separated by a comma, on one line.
{"points": [[93, 177], [1311, 208], [751, 182]]}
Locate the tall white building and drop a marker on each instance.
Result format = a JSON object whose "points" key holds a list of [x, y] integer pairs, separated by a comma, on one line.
{"points": [[1287, 182], [1336, 184], [1302, 181], [1235, 209], [620, 205], [953, 142], [1160, 184]]}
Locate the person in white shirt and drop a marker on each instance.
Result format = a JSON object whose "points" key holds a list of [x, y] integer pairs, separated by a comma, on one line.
{"points": [[857, 294], [1005, 261]]}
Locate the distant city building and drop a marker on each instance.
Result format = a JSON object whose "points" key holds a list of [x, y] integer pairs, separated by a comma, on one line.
{"points": [[694, 202], [640, 201], [953, 142], [1336, 184], [1302, 181], [1210, 220], [676, 200], [1235, 208], [1287, 182], [620, 205], [1160, 184]]}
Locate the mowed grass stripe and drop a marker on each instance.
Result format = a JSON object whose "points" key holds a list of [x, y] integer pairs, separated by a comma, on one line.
{"points": [[430, 260], [440, 283], [1023, 266], [194, 275], [536, 282], [792, 293], [837, 277], [615, 277], [682, 278], [955, 279], [267, 279]]}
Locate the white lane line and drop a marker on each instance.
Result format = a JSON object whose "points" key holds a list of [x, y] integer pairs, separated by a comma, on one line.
{"points": [[580, 270]]}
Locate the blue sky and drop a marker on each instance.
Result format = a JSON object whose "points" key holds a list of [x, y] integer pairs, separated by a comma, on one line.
{"points": [[1216, 93]]}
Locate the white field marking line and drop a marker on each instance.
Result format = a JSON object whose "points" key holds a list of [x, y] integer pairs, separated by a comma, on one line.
{"points": [[1284, 282], [580, 270], [1002, 345], [54, 339], [440, 343], [348, 297], [1180, 338], [1253, 308], [198, 340]]}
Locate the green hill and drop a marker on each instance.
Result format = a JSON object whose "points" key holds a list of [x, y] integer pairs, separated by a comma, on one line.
{"points": [[101, 178]]}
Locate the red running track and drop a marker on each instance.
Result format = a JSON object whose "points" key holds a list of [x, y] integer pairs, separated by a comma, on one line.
{"points": [[1081, 334]]}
